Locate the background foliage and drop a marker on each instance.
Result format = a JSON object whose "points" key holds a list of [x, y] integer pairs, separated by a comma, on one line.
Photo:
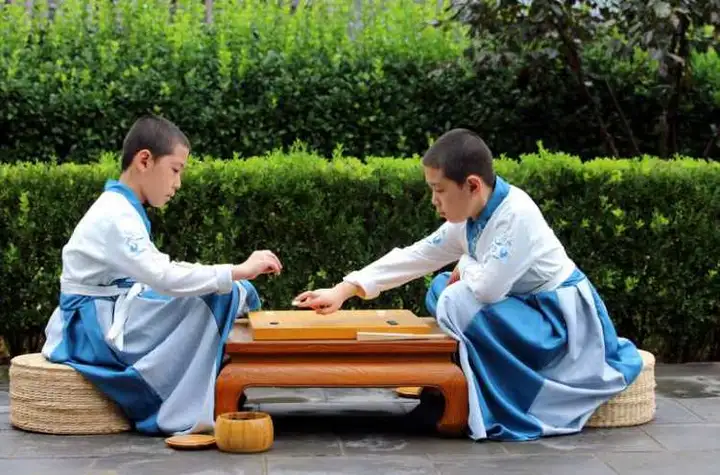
{"points": [[383, 80], [645, 231]]}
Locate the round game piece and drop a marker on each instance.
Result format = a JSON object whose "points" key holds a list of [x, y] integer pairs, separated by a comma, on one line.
{"points": [[409, 392], [191, 441]]}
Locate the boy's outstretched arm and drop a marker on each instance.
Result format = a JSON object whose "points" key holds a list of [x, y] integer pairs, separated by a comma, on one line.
{"points": [[129, 249], [399, 266]]}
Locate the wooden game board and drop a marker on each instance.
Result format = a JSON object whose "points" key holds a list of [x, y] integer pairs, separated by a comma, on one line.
{"points": [[341, 325]]}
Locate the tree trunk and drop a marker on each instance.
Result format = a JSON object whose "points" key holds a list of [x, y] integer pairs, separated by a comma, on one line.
{"points": [[575, 64], [626, 124], [679, 71], [208, 11], [715, 137]]}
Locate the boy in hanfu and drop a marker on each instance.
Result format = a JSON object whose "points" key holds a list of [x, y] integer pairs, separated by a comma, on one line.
{"points": [[536, 343], [146, 330]]}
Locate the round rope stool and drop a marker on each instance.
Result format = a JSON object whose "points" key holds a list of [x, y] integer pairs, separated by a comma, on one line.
{"points": [[635, 405], [55, 399]]}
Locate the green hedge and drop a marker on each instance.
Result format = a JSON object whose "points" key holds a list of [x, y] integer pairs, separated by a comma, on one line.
{"points": [[644, 230], [258, 78]]}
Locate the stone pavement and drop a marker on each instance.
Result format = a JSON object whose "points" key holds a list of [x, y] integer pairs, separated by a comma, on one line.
{"points": [[364, 431]]}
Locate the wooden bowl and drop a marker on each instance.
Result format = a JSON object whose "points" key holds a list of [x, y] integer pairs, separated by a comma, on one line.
{"points": [[244, 432]]}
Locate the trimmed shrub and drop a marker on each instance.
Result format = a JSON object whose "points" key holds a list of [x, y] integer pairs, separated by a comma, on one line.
{"points": [[645, 231]]}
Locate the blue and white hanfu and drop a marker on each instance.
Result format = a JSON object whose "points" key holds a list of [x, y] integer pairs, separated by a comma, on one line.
{"points": [[147, 331], [536, 343]]}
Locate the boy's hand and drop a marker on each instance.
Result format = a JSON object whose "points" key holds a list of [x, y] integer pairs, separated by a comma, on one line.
{"points": [[454, 277], [259, 262], [325, 301]]}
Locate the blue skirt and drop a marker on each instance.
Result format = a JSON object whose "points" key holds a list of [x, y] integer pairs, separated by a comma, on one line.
{"points": [[163, 375], [536, 365]]}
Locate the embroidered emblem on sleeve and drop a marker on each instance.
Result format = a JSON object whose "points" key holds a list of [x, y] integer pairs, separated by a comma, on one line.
{"points": [[437, 237], [501, 247], [134, 241], [135, 244]]}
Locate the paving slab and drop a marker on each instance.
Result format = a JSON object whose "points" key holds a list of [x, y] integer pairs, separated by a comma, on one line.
{"points": [[690, 380], [29, 466], [372, 444], [664, 463], [591, 440], [707, 409], [384, 465], [360, 431], [5, 423], [307, 443], [532, 465], [674, 411], [686, 437], [182, 463], [21, 444]]}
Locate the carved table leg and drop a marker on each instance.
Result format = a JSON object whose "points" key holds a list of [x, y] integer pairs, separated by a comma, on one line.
{"points": [[229, 389], [455, 416]]}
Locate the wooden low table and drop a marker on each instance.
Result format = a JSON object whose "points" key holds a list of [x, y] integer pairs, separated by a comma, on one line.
{"points": [[344, 363]]}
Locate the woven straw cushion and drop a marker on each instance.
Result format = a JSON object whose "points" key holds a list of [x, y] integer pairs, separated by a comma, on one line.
{"points": [[635, 405], [55, 399]]}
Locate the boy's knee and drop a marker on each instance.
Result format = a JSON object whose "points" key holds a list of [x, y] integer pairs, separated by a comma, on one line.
{"points": [[458, 290], [439, 283], [458, 303]]}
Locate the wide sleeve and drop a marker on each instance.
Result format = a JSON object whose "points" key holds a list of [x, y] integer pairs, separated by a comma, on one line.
{"points": [[401, 265], [463, 262], [504, 260], [130, 251]]}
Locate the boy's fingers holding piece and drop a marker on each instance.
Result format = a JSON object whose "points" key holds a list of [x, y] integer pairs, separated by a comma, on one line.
{"points": [[303, 299], [274, 258], [275, 266], [270, 265], [307, 295]]}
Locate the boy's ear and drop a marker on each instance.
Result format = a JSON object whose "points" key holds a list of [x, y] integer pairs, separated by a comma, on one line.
{"points": [[474, 183], [142, 159]]}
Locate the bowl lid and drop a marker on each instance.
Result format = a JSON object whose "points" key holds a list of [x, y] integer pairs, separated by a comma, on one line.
{"points": [[191, 441]]}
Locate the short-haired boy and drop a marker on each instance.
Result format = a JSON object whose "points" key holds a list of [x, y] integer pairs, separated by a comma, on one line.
{"points": [[146, 330], [536, 343]]}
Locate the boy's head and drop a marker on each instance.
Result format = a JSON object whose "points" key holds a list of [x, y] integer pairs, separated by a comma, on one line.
{"points": [[459, 170], [153, 157]]}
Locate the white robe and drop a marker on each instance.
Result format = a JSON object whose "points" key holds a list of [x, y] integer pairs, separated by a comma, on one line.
{"points": [[148, 331], [536, 342]]}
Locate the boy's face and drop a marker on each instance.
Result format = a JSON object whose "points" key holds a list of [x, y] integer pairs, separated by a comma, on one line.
{"points": [[161, 176], [453, 202]]}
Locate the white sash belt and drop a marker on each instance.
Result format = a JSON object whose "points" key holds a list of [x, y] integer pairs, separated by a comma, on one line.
{"points": [[92, 290], [120, 315]]}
